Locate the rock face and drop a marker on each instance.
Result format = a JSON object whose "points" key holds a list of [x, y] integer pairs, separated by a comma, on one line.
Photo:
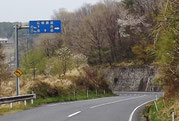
{"points": [[132, 78]]}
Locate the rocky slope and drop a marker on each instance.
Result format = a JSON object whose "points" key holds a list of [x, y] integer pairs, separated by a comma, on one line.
{"points": [[132, 78]]}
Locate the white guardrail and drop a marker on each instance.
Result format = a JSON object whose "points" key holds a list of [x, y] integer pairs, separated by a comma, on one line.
{"points": [[12, 99]]}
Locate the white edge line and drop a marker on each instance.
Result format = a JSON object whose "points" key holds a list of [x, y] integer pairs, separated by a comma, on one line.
{"points": [[74, 114], [130, 118], [115, 101], [52, 105]]}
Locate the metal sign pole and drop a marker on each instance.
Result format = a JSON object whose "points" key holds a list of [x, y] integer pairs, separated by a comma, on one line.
{"points": [[49, 26], [17, 27], [17, 58]]}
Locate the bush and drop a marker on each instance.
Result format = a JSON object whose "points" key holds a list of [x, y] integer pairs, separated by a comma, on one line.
{"points": [[92, 79], [43, 90]]}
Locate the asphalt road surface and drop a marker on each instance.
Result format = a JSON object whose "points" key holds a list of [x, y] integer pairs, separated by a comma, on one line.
{"points": [[125, 107]]}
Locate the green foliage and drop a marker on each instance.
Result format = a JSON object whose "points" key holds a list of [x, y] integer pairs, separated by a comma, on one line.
{"points": [[145, 53], [34, 62], [167, 43], [93, 58], [164, 110], [43, 90], [128, 3], [165, 47], [54, 66]]}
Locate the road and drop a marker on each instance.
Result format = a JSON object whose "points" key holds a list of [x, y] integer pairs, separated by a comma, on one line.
{"points": [[120, 108]]}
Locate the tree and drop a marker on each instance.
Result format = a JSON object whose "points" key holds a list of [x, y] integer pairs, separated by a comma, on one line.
{"points": [[34, 62], [167, 45], [65, 58], [79, 59], [48, 44], [144, 52]]}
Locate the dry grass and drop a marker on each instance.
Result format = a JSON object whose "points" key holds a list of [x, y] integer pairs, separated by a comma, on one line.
{"points": [[8, 87], [165, 108]]}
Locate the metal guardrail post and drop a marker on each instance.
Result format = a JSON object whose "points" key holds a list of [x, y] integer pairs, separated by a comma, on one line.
{"points": [[173, 114], [32, 101], [156, 106], [87, 93], [96, 92], [156, 98], [74, 93], [25, 102], [11, 105]]}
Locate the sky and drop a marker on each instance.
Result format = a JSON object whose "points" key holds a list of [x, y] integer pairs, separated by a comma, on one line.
{"points": [[26, 10]]}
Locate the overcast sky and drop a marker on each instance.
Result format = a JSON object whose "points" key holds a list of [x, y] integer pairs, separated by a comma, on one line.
{"points": [[25, 10]]}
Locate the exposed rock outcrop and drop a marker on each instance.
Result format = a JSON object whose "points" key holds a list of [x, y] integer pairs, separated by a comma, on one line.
{"points": [[132, 78]]}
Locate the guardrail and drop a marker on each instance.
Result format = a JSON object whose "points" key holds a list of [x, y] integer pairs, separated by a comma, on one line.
{"points": [[12, 99]]}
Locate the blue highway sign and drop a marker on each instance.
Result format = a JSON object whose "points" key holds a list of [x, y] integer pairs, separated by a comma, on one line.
{"points": [[45, 26]]}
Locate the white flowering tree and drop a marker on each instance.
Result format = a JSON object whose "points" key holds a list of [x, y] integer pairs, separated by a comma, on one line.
{"points": [[126, 19], [79, 59], [65, 57]]}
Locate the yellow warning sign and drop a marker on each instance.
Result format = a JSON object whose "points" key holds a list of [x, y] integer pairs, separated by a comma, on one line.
{"points": [[18, 72]]}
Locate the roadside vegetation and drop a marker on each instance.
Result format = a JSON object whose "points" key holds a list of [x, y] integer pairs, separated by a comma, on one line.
{"points": [[167, 45], [165, 108]]}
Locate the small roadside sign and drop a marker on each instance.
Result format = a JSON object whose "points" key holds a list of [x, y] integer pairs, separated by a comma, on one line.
{"points": [[45, 26], [18, 72]]}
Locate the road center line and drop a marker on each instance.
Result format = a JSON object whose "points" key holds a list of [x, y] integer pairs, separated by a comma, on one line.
{"points": [[130, 118], [115, 102], [74, 114]]}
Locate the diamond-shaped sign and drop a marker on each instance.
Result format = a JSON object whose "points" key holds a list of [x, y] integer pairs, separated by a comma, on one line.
{"points": [[18, 72]]}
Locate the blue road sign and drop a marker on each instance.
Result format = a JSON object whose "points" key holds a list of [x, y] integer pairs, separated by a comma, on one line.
{"points": [[45, 26]]}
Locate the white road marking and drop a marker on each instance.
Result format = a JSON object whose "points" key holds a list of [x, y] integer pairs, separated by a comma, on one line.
{"points": [[64, 103], [74, 114], [52, 105], [130, 118], [71, 102], [115, 101]]}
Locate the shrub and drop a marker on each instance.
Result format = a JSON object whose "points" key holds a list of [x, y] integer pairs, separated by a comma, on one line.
{"points": [[43, 90]]}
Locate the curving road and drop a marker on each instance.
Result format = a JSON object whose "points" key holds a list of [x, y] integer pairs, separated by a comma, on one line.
{"points": [[125, 107]]}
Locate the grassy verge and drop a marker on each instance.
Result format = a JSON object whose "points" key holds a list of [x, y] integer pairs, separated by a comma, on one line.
{"points": [[20, 106], [164, 113]]}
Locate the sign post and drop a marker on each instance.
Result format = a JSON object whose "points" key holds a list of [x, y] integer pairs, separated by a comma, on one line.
{"points": [[17, 27], [35, 27], [17, 58]]}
